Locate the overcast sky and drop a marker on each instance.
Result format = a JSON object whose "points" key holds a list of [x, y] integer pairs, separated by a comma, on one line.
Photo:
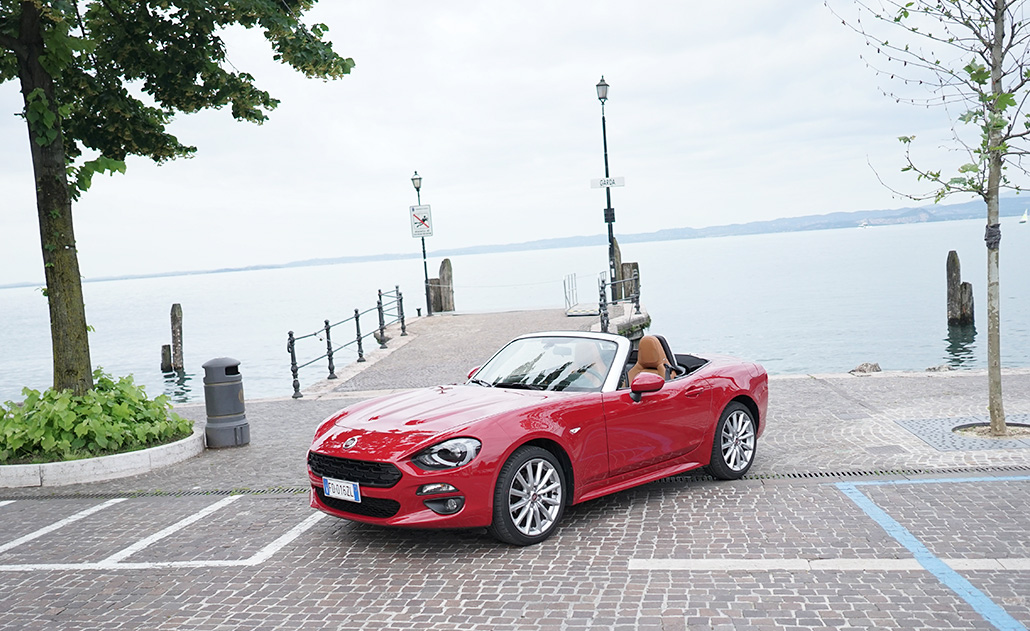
{"points": [[717, 113]]}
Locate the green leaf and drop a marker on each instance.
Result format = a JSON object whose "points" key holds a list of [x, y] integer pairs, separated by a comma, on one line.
{"points": [[978, 73], [1005, 100]]}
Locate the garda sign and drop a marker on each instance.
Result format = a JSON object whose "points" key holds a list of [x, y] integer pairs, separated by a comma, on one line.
{"points": [[421, 221], [608, 182]]}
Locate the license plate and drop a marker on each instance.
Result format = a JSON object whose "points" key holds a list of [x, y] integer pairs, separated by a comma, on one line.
{"points": [[342, 489]]}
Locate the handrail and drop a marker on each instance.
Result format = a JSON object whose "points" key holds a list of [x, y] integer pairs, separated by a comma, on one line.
{"points": [[631, 284], [390, 309]]}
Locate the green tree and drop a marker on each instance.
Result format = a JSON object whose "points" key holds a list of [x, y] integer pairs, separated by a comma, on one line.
{"points": [[101, 79], [972, 57]]}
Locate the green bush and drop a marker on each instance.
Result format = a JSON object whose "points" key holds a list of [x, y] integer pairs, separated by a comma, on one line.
{"points": [[113, 417]]}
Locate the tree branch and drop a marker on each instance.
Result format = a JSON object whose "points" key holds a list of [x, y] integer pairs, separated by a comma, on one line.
{"points": [[11, 44]]}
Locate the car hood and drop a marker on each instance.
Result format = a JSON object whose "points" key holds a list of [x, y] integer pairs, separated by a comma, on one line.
{"points": [[397, 424]]}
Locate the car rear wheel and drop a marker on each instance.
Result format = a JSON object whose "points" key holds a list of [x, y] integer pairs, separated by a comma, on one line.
{"points": [[529, 498], [733, 446]]}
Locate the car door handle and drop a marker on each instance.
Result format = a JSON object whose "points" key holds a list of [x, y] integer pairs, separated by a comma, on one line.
{"points": [[693, 392]]}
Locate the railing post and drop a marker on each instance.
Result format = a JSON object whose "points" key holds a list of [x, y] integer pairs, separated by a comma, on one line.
{"points": [[382, 321], [293, 365], [329, 352], [357, 327], [603, 308], [636, 291], [400, 310]]}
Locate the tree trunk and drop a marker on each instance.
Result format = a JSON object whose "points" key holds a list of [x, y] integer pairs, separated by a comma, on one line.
{"points": [[993, 181], [72, 367]]}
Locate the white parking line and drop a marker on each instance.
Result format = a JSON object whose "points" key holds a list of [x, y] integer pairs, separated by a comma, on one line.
{"points": [[815, 565], [258, 558], [60, 524], [157, 536], [6, 502]]}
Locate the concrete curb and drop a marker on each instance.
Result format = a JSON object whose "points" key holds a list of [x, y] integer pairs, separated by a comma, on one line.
{"points": [[104, 467]]}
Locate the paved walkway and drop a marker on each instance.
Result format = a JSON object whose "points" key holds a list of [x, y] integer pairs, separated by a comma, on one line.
{"points": [[863, 510], [819, 425]]}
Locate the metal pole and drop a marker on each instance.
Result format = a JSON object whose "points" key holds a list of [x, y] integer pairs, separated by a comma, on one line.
{"points": [[357, 328], [425, 270], [425, 266], [382, 321], [293, 365], [329, 351], [609, 212], [400, 309]]}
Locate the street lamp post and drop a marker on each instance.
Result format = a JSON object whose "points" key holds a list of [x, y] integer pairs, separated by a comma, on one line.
{"points": [[416, 181], [609, 212]]}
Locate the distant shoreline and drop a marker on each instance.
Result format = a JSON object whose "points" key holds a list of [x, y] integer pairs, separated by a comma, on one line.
{"points": [[1010, 207]]}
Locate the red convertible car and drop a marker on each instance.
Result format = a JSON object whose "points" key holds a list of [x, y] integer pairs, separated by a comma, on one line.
{"points": [[552, 419]]}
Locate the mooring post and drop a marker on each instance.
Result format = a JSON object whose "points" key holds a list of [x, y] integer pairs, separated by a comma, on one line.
{"points": [[177, 363], [293, 365], [960, 294]]}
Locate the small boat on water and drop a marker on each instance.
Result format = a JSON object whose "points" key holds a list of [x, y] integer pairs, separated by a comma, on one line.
{"points": [[1024, 217]]}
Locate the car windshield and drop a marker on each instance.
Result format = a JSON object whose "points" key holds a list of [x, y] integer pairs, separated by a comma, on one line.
{"points": [[550, 363]]}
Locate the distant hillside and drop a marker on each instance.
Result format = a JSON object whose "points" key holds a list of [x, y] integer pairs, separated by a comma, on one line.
{"points": [[1010, 207]]}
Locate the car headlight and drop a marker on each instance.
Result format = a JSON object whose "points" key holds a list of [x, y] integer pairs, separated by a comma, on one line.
{"points": [[448, 454]]}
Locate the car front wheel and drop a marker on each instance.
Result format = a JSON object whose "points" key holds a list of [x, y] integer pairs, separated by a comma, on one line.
{"points": [[733, 446], [529, 498]]}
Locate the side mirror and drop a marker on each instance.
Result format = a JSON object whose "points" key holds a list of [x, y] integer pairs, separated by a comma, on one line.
{"points": [[645, 382], [472, 373]]}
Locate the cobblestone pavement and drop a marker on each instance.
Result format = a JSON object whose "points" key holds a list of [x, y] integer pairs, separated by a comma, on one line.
{"points": [[847, 520]]}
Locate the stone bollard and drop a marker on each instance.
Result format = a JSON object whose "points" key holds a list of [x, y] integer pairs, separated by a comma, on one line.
{"points": [[960, 294], [446, 286]]}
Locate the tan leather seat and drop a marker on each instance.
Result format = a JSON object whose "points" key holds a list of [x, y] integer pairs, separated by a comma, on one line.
{"points": [[651, 358]]}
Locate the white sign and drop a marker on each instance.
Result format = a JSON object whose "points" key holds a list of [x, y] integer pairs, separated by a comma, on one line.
{"points": [[421, 221], [608, 182]]}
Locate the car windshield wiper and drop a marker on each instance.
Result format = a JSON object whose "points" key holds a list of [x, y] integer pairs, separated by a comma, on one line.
{"points": [[519, 386], [480, 382]]}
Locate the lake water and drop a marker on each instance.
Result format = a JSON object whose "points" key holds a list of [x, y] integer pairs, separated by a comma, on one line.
{"points": [[804, 302]]}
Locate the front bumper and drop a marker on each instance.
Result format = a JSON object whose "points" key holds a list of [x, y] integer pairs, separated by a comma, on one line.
{"points": [[400, 504]]}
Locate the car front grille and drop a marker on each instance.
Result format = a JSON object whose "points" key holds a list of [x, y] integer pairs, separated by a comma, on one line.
{"points": [[375, 474], [368, 507]]}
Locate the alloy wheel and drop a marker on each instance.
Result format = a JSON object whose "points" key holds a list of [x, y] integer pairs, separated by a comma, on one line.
{"points": [[738, 440], [535, 497]]}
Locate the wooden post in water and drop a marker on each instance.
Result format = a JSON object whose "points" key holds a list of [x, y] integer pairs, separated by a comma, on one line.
{"points": [[446, 287], [960, 294], [177, 337]]}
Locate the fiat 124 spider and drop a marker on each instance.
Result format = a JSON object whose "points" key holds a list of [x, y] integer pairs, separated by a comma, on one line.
{"points": [[552, 419]]}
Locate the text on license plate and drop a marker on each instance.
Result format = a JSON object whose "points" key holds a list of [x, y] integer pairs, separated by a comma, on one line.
{"points": [[341, 489]]}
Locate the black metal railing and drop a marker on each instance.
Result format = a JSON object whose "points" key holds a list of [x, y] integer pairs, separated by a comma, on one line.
{"points": [[629, 288], [390, 309]]}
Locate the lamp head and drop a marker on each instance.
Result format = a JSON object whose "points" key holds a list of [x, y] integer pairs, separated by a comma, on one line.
{"points": [[602, 90], [416, 181]]}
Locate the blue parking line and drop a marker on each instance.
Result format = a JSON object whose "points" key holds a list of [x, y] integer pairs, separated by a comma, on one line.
{"points": [[976, 599], [1010, 478]]}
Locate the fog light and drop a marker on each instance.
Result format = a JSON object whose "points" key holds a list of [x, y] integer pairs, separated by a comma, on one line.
{"points": [[435, 489], [446, 505]]}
